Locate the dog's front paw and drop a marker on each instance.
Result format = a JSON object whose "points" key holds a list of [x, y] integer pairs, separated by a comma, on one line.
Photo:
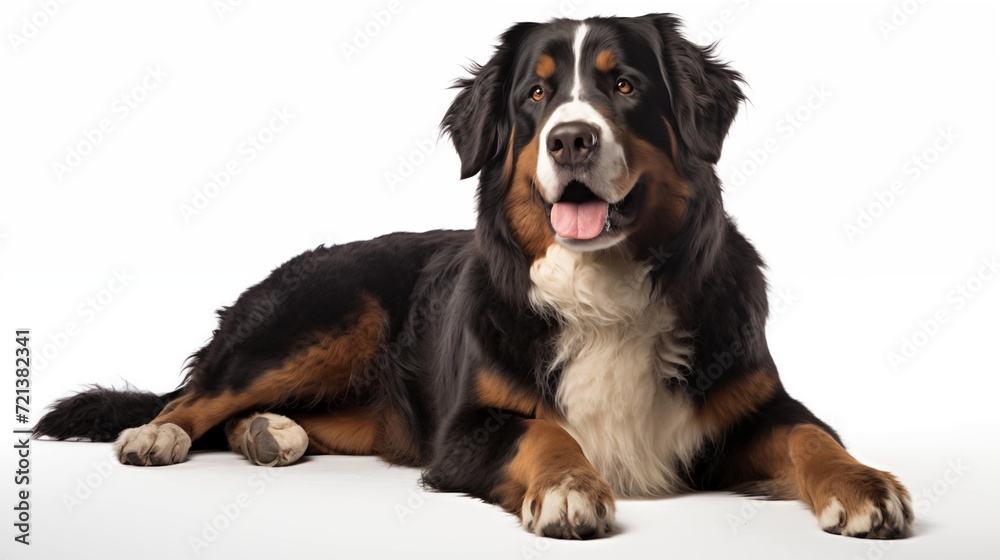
{"points": [[577, 506], [866, 503], [166, 444]]}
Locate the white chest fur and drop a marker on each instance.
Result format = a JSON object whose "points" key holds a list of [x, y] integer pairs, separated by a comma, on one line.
{"points": [[616, 346]]}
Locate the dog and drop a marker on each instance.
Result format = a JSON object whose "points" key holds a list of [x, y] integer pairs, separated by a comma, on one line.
{"points": [[598, 335]]}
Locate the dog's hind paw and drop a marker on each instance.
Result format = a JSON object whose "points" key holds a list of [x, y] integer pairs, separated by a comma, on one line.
{"points": [[152, 444], [272, 440]]}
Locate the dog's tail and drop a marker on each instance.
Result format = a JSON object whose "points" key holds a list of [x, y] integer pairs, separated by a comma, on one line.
{"points": [[100, 414]]}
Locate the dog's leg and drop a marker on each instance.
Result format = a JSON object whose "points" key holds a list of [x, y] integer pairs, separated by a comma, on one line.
{"points": [[849, 498], [321, 371], [267, 439], [531, 467], [270, 439], [341, 432], [804, 461], [371, 429], [561, 494], [772, 445]]}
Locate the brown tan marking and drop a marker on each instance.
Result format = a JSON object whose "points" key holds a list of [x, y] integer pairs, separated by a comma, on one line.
{"points": [[348, 432], [667, 193], [666, 198], [737, 399], [764, 467], [508, 162], [805, 462], [606, 61], [235, 428], [351, 431], [493, 391], [525, 213], [546, 67], [548, 457], [322, 371], [395, 441], [358, 431], [673, 142], [825, 471]]}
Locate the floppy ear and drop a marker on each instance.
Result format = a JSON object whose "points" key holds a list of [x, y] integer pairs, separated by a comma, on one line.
{"points": [[479, 119], [706, 93]]}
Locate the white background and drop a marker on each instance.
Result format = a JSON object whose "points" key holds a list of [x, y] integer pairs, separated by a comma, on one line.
{"points": [[841, 304]]}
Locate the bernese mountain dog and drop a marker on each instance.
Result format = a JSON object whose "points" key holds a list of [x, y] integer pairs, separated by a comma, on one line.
{"points": [[598, 335]]}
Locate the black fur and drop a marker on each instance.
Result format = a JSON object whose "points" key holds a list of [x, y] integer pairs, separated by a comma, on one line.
{"points": [[478, 121], [707, 91], [100, 413], [457, 302]]}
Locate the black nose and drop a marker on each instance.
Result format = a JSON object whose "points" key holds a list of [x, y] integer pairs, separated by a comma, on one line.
{"points": [[570, 144]]}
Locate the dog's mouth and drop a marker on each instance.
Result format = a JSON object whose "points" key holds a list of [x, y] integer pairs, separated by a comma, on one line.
{"points": [[582, 215]]}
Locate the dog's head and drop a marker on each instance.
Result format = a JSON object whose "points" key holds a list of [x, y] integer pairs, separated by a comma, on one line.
{"points": [[587, 132]]}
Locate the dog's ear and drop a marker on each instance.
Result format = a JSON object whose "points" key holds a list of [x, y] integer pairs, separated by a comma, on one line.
{"points": [[705, 92], [479, 119]]}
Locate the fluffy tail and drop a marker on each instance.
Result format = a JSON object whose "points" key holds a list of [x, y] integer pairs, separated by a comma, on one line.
{"points": [[100, 414]]}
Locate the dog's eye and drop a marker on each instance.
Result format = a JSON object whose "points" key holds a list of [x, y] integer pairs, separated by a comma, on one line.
{"points": [[537, 93], [624, 86]]}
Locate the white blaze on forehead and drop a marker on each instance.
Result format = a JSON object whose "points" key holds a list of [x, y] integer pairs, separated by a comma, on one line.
{"points": [[610, 156], [581, 34]]}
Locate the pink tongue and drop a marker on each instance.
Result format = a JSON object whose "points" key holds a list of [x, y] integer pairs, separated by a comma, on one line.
{"points": [[579, 221]]}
